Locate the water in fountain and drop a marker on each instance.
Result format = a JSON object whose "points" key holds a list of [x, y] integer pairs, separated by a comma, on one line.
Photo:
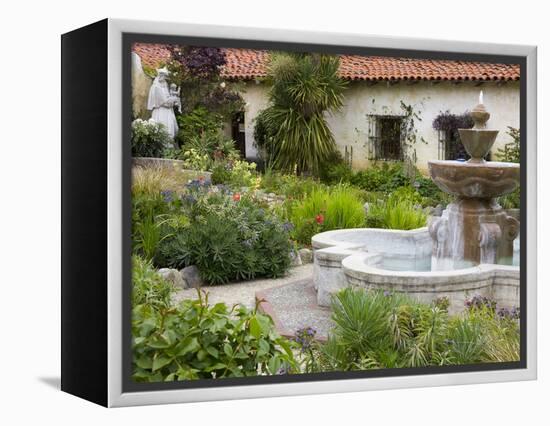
{"points": [[474, 228]]}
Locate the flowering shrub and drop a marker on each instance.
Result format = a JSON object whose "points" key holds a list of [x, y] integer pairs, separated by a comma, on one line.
{"points": [[237, 173], [229, 238], [149, 138], [325, 210], [480, 302]]}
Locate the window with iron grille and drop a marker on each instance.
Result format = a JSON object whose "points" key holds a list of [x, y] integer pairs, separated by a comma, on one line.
{"points": [[385, 137], [450, 147]]}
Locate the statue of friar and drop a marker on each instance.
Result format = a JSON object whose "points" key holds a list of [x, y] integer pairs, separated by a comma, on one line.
{"points": [[162, 101]]}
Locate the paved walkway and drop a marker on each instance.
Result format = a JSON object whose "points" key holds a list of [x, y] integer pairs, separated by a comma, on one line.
{"points": [[245, 292], [294, 306], [291, 300]]}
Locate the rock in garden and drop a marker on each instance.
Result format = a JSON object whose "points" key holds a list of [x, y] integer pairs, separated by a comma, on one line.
{"points": [[295, 258], [173, 276], [306, 255], [191, 275]]}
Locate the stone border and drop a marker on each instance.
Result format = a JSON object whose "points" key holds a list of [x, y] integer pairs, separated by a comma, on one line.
{"points": [[356, 238], [360, 269]]}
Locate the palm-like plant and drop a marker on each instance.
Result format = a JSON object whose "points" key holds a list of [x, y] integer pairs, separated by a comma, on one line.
{"points": [[304, 88]]}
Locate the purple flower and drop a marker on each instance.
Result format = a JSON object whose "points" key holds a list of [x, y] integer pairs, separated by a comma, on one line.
{"points": [[305, 337], [188, 198], [168, 196], [287, 226]]}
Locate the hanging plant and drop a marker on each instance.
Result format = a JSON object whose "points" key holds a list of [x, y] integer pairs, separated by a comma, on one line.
{"points": [[446, 121]]}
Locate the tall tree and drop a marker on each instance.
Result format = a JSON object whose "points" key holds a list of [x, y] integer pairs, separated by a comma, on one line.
{"points": [[293, 129]]}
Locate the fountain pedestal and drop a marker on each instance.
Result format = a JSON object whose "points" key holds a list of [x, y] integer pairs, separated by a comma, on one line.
{"points": [[474, 228], [470, 232]]}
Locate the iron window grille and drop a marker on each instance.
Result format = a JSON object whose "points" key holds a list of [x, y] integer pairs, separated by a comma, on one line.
{"points": [[385, 137]]}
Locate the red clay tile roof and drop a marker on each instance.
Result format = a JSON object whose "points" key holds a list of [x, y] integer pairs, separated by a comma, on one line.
{"points": [[245, 64]]}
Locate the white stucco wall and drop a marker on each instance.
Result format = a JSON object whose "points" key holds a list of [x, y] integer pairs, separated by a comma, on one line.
{"points": [[255, 97], [350, 125]]}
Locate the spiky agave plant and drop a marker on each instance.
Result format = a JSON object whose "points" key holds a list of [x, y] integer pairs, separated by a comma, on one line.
{"points": [[304, 88]]}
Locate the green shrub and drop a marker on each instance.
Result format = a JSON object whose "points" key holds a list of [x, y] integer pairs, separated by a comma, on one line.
{"points": [[149, 139], [395, 213], [148, 287], [338, 172], [382, 177], [511, 151], [291, 186], [343, 210], [325, 210], [228, 240], [237, 173], [430, 192], [198, 341], [221, 173], [512, 200], [199, 122]]}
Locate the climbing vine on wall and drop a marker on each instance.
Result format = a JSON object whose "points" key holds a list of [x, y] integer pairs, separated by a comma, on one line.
{"points": [[404, 128]]}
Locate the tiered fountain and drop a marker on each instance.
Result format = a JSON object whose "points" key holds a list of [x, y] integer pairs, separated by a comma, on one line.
{"points": [[474, 228], [467, 251]]}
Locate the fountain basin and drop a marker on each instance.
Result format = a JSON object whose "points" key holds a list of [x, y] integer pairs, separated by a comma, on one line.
{"points": [[475, 179], [400, 261]]}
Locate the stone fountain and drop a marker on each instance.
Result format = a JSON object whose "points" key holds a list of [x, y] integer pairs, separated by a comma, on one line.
{"points": [[474, 229], [467, 251]]}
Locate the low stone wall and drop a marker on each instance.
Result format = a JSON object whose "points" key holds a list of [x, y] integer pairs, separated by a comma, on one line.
{"points": [[498, 282], [165, 162], [332, 247]]}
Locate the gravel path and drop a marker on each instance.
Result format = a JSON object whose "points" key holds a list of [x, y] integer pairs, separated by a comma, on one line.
{"points": [[244, 292]]}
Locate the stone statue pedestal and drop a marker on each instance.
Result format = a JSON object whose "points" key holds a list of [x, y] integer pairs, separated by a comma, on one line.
{"points": [[473, 231]]}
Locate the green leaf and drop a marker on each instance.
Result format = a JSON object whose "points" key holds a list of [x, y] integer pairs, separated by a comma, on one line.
{"points": [[255, 327], [201, 355], [228, 350], [274, 365], [144, 362], [263, 348], [158, 343], [217, 366], [160, 362], [189, 344], [213, 351], [283, 343]]}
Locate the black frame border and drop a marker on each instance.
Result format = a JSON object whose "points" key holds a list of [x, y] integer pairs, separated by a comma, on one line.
{"points": [[128, 385]]}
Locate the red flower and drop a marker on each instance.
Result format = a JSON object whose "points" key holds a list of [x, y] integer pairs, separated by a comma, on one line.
{"points": [[236, 197], [319, 219], [201, 179]]}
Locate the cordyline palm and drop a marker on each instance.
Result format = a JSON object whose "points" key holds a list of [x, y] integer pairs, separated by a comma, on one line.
{"points": [[304, 88]]}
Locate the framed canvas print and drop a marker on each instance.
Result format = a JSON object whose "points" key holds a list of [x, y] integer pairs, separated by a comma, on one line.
{"points": [[251, 212]]}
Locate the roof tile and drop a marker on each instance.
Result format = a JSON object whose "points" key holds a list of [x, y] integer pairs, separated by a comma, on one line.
{"points": [[248, 64]]}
